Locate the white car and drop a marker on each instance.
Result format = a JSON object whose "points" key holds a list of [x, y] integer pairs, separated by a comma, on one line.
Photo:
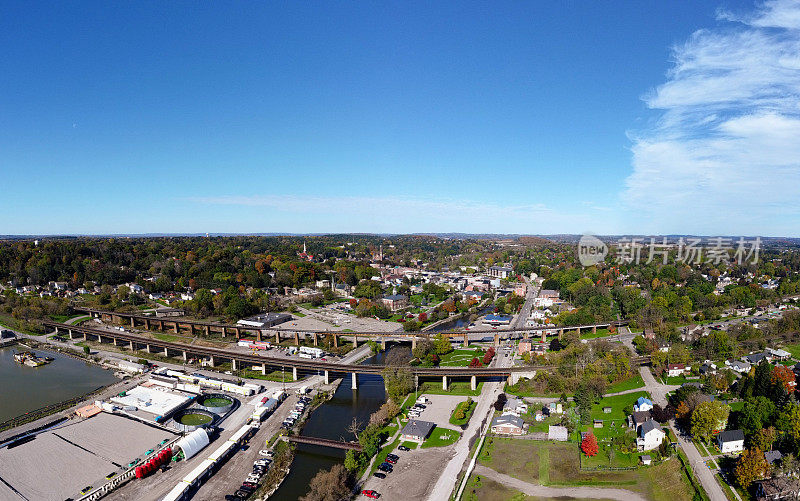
{"points": [[266, 452]]}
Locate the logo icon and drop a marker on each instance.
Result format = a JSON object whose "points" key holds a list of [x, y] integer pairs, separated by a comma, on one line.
{"points": [[591, 250]]}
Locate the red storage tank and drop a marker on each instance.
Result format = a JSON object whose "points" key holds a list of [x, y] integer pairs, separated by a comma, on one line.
{"points": [[139, 473]]}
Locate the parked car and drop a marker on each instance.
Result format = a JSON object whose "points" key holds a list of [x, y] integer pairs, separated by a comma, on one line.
{"points": [[385, 467], [266, 452], [371, 494], [403, 448], [393, 456], [391, 460], [379, 474], [233, 497]]}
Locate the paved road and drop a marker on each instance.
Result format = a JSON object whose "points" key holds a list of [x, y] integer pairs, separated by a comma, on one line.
{"points": [[658, 392], [558, 492]]}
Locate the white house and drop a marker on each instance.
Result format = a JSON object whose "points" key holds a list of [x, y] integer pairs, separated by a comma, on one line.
{"points": [[643, 405], [674, 370], [730, 441], [649, 435]]}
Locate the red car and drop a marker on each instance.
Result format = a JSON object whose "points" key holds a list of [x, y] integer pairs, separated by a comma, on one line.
{"points": [[371, 494]]}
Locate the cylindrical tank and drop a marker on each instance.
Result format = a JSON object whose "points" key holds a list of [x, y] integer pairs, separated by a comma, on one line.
{"points": [[139, 473]]}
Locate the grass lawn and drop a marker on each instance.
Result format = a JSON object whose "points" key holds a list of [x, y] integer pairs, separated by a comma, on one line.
{"points": [[617, 404], [519, 390], [460, 358], [279, 376], [599, 333], [454, 388], [410, 445], [552, 463], [468, 406], [736, 406], [679, 380], [479, 488], [631, 383], [441, 437], [794, 349], [169, 338]]}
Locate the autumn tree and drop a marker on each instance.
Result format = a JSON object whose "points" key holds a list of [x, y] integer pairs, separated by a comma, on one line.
{"points": [[783, 377], [707, 417], [475, 363], [330, 485], [589, 444], [764, 438], [788, 421], [751, 466]]}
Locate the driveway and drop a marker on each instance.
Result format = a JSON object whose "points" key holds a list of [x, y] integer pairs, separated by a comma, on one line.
{"points": [[578, 492]]}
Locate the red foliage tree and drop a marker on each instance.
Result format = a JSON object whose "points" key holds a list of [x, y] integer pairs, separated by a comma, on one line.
{"points": [[423, 317], [475, 363], [589, 444], [488, 356], [784, 376], [353, 303]]}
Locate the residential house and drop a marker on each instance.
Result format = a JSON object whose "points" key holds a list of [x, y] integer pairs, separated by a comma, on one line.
{"points": [[730, 441], [773, 457], [542, 302], [515, 406], [473, 296], [416, 431], [674, 370], [525, 345], [520, 290], [754, 358], [778, 488], [773, 354], [643, 404], [549, 294], [708, 368], [646, 459], [558, 433], [638, 418], [649, 435], [508, 424]]}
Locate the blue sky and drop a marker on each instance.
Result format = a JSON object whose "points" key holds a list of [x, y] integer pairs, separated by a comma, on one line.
{"points": [[525, 117]]}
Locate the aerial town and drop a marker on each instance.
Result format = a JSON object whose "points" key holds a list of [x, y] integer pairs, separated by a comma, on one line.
{"points": [[406, 251], [476, 366]]}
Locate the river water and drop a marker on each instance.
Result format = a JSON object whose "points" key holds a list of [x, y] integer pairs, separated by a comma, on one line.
{"points": [[23, 388], [331, 421], [460, 323]]}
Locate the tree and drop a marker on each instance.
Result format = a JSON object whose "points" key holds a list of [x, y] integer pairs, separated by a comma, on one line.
{"points": [[488, 356], [500, 402], [707, 417], [352, 460], [789, 422], [783, 377], [755, 414], [330, 485], [475, 363], [399, 382], [763, 379], [764, 438], [442, 344], [589, 444], [750, 467]]}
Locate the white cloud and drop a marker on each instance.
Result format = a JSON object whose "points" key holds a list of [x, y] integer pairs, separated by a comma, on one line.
{"points": [[724, 156]]}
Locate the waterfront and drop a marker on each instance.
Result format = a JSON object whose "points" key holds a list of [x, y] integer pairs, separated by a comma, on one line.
{"points": [[331, 420], [28, 388]]}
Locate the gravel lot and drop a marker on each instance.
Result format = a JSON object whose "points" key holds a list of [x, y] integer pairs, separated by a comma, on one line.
{"points": [[414, 474], [440, 408]]}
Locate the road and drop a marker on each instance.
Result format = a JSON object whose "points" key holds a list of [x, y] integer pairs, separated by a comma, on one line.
{"points": [[658, 393]]}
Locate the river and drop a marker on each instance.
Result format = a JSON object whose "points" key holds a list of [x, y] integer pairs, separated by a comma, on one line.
{"points": [[331, 420], [23, 388], [461, 322]]}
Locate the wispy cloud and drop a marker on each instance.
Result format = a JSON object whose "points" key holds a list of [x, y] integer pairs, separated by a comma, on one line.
{"points": [[724, 155]]}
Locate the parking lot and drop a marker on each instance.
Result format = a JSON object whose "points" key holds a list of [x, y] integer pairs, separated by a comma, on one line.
{"points": [[439, 409]]}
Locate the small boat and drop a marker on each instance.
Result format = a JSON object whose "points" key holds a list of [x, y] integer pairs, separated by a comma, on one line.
{"points": [[30, 359]]}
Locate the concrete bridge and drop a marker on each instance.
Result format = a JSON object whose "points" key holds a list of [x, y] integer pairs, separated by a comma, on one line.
{"points": [[178, 325]]}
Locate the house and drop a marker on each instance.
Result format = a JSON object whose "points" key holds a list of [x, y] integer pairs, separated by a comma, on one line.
{"points": [[539, 348], [508, 424], [754, 358], [730, 441], [737, 366], [416, 431], [549, 294], [500, 271], [778, 488], [778, 354], [395, 302], [643, 405], [646, 459], [597, 423], [515, 406], [708, 368], [606, 410], [472, 296], [638, 418], [649, 435], [674, 370], [558, 433]]}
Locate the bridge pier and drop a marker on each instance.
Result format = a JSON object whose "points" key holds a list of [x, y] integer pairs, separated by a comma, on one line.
{"points": [[327, 378], [133, 322], [473, 383], [114, 340], [316, 339], [131, 346], [413, 342], [383, 344], [277, 337], [238, 333], [294, 373], [353, 382], [147, 323], [176, 328], [560, 334], [466, 340], [579, 332], [166, 352], [497, 340], [335, 341], [211, 359], [185, 357], [147, 348], [70, 333], [544, 336], [594, 329], [234, 365], [263, 369], [444, 383], [297, 339]]}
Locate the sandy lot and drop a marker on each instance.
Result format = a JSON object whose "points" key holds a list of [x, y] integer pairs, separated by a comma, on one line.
{"points": [[440, 408], [414, 474]]}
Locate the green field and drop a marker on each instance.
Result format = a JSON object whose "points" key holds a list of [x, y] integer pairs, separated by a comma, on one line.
{"points": [[794, 349], [617, 404], [550, 463], [194, 419], [631, 383], [599, 333], [460, 358], [441, 437], [453, 388]]}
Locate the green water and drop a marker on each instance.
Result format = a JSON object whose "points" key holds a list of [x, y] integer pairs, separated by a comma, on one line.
{"points": [[24, 389], [216, 402], [194, 419]]}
